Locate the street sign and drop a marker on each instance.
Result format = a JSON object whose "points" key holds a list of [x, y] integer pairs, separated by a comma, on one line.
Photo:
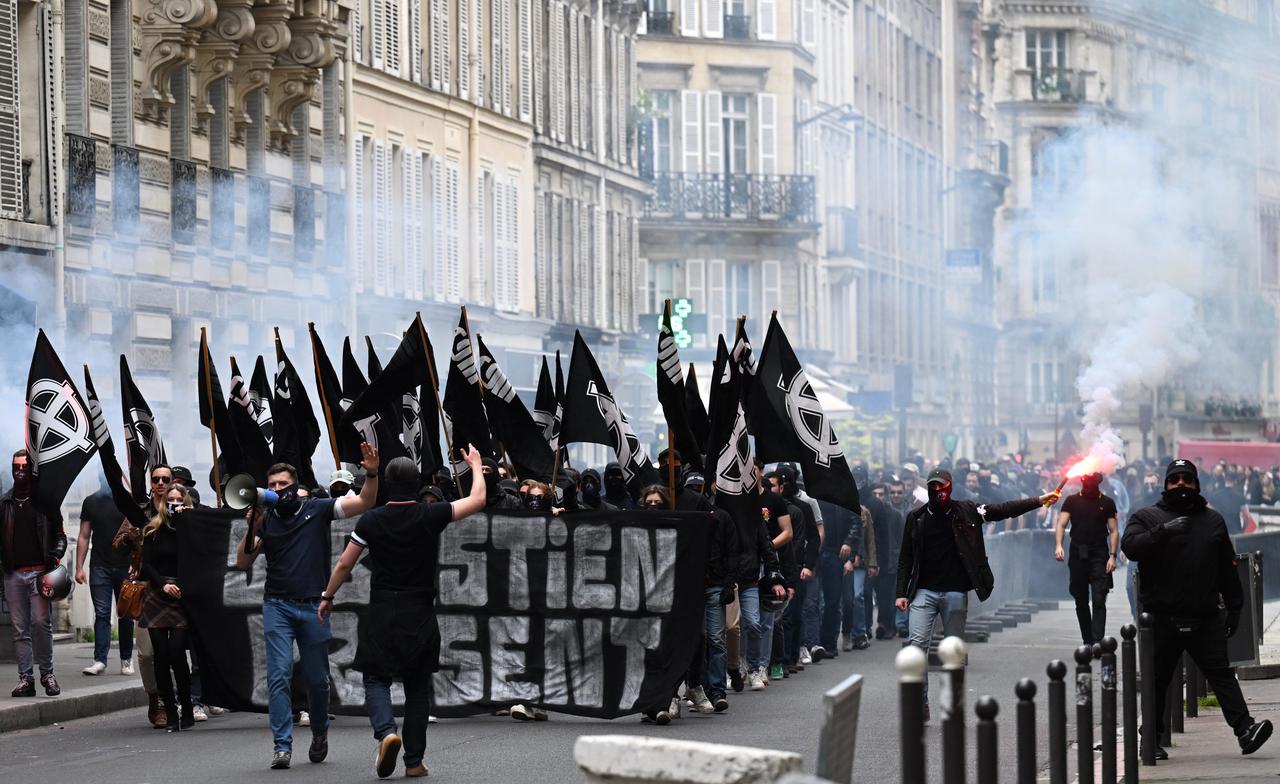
{"points": [[949, 442]]}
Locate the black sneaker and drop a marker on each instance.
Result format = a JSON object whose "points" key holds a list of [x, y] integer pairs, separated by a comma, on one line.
{"points": [[50, 684], [817, 653], [384, 761], [319, 748], [902, 634], [280, 760], [720, 703], [861, 644], [1161, 753], [1255, 736], [735, 680], [26, 688]]}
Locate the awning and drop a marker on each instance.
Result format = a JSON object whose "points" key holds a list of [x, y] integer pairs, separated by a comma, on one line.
{"points": [[1258, 454]]}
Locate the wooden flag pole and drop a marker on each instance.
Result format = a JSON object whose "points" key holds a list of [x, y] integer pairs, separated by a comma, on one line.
{"points": [[671, 463], [213, 419], [435, 388], [555, 470], [324, 400]]}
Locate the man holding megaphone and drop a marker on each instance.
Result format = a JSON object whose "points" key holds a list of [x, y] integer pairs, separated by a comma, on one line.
{"points": [[294, 533]]}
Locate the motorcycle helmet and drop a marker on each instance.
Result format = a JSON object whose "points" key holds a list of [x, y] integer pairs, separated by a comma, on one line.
{"points": [[56, 584]]}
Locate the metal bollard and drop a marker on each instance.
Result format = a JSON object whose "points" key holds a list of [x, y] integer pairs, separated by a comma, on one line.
{"points": [[1175, 699], [1057, 671], [1026, 691], [952, 652], [1108, 695], [988, 750], [1129, 676], [1150, 721], [1084, 714], [1193, 686], [912, 664]]}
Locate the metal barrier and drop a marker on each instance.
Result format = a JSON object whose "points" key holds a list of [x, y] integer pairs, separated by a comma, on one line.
{"points": [[839, 733]]}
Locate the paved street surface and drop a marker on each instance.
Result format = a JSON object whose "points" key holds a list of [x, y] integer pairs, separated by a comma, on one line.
{"points": [[121, 748]]}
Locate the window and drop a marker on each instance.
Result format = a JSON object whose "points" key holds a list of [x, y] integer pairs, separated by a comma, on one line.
{"points": [[12, 201], [1053, 162], [1046, 53], [737, 288], [662, 119], [1044, 272], [1047, 383], [735, 117]]}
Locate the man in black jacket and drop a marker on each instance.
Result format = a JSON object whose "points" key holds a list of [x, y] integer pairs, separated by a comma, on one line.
{"points": [[31, 542], [943, 557], [1186, 562]]}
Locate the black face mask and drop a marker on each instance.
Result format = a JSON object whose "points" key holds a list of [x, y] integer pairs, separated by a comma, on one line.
{"points": [[1180, 498], [939, 497], [289, 502], [654, 505], [615, 486], [1090, 489], [591, 494], [22, 481], [491, 484], [537, 503]]}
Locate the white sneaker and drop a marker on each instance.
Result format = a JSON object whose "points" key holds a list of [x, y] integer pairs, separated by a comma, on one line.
{"points": [[97, 668], [214, 710], [126, 667], [432, 719], [805, 658], [521, 713], [304, 719], [198, 713], [757, 680], [674, 710], [700, 702]]}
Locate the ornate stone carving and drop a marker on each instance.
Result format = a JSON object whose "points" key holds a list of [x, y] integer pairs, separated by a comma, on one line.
{"points": [[297, 73], [216, 54], [257, 58], [170, 30]]}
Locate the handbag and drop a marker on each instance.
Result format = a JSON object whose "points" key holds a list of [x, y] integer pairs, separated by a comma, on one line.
{"points": [[133, 592]]}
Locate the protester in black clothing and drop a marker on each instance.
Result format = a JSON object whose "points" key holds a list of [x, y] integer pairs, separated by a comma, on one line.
{"points": [[616, 495], [590, 489], [496, 497], [1095, 539], [1186, 568], [400, 638], [1227, 500], [538, 497], [687, 500], [99, 521], [163, 615], [841, 527], [707, 673], [805, 544]]}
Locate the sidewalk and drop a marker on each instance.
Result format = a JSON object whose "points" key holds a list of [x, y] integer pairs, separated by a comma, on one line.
{"points": [[1207, 750], [82, 695]]}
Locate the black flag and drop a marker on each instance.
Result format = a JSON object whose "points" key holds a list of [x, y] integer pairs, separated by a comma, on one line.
{"points": [[786, 398], [558, 419], [430, 457], [107, 453], [260, 396], [353, 380], [295, 431], [343, 440], [671, 395], [59, 429], [373, 363], [214, 415], [699, 422], [467, 420], [255, 454], [591, 414], [378, 412], [544, 402], [729, 460], [511, 422], [144, 449]]}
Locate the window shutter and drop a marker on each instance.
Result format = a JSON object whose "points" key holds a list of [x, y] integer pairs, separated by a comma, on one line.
{"points": [[513, 243], [357, 33], [689, 18], [418, 249], [807, 27], [767, 105], [540, 268], [381, 204], [378, 33], [508, 107], [408, 219], [495, 51], [358, 195], [525, 50], [555, 257], [477, 54], [393, 36], [439, 229], [691, 123], [415, 40], [766, 20], [695, 287], [574, 99], [620, 97], [713, 18], [480, 229], [539, 55], [715, 134], [586, 78], [557, 71], [453, 265], [464, 44], [772, 288], [606, 286], [437, 53], [717, 318], [11, 190]]}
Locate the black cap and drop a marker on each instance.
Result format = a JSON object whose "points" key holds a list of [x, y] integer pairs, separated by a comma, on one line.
{"points": [[1181, 466], [941, 475], [183, 473]]}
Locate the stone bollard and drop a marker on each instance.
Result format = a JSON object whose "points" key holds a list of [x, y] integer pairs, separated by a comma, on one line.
{"points": [[642, 760]]}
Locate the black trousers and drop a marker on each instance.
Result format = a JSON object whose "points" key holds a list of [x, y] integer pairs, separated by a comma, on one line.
{"points": [[1205, 639], [169, 659], [1087, 567]]}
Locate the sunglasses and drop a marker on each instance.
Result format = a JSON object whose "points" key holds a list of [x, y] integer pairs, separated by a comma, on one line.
{"points": [[161, 480]]}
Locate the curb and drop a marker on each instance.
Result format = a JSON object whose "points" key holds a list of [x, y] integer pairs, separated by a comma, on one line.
{"points": [[1258, 672], [43, 711]]}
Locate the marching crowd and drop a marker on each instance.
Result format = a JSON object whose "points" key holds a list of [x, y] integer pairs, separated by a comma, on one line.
{"points": [[804, 581]]}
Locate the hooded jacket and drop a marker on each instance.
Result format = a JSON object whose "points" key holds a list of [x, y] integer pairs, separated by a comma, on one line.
{"points": [[49, 533], [1183, 574]]}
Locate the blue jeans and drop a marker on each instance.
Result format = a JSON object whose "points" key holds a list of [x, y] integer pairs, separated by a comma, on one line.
{"points": [[811, 612], [829, 572], [417, 710], [32, 626], [852, 612], [715, 674], [924, 610], [753, 639], [283, 623], [104, 586]]}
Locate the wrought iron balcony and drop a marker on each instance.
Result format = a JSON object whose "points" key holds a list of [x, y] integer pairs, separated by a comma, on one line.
{"points": [[182, 201], [737, 197], [661, 23], [1058, 84], [125, 194], [304, 221], [82, 180], [737, 26], [258, 228], [222, 207]]}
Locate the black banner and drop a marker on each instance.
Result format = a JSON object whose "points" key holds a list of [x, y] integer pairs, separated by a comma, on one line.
{"points": [[672, 397], [295, 431], [515, 429], [60, 432], [144, 449], [592, 614]]}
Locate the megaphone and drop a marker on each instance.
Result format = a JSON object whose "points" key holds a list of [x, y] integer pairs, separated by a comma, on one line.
{"points": [[242, 492]]}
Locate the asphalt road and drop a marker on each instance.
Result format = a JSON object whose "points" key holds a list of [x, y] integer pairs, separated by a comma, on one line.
{"points": [[122, 748]]}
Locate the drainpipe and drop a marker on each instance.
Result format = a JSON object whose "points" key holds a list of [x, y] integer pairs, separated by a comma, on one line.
{"points": [[57, 195], [477, 206], [599, 116], [349, 128]]}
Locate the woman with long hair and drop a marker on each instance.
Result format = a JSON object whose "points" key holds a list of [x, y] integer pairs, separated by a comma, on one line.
{"points": [[162, 613]]}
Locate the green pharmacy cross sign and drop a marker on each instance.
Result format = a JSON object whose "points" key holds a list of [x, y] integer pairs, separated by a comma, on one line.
{"points": [[681, 310]]}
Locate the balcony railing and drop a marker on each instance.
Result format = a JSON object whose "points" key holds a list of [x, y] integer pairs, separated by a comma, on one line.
{"points": [[82, 180], [222, 207], [1058, 84], [661, 23], [739, 197], [737, 26], [304, 222], [182, 201], [125, 195], [258, 227]]}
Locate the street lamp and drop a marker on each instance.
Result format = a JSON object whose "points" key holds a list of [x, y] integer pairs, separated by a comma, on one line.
{"points": [[845, 111]]}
